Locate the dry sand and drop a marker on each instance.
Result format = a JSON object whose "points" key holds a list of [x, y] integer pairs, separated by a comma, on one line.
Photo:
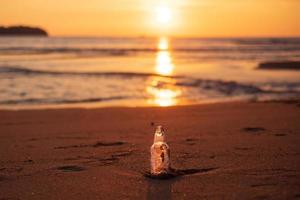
{"points": [[241, 151]]}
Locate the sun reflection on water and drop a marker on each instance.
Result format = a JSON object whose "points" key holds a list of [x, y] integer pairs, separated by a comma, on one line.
{"points": [[162, 89], [164, 65], [163, 44]]}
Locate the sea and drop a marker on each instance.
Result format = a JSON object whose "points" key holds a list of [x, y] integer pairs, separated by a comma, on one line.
{"points": [[140, 71]]}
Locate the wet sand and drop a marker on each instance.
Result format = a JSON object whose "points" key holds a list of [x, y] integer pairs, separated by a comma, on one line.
{"points": [[237, 151]]}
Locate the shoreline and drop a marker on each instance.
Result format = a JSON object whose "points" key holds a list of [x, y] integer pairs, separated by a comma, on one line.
{"points": [[101, 105], [239, 150]]}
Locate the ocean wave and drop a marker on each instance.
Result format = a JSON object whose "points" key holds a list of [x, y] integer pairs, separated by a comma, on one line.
{"points": [[59, 101], [26, 71], [223, 87], [231, 88], [269, 41], [78, 51], [192, 87], [130, 51]]}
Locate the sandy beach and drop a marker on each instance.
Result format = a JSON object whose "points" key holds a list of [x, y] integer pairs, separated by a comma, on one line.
{"points": [[240, 151]]}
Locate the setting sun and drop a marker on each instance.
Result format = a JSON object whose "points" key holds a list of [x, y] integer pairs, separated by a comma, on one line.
{"points": [[163, 15], [190, 18]]}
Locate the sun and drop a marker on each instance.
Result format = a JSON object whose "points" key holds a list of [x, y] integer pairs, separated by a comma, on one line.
{"points": [[163, 14]]}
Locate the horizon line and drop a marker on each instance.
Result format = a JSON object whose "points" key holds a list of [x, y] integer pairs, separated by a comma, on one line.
{"points": [[174, 36]]}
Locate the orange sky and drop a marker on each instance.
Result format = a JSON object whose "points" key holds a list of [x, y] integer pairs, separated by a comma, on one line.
{"points": [[206, 18]]}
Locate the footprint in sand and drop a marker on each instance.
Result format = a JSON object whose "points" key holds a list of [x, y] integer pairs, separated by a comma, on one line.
{"points": [[297, 195], [242, 148], [70, 168], [280, 134], [191, 141], [253, 129], [263, 184], [101, 161], [3, 178], [97, 144]]}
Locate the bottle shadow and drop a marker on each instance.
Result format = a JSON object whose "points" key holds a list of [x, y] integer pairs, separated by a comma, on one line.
{"points": [[160, 189], [160, 186]]}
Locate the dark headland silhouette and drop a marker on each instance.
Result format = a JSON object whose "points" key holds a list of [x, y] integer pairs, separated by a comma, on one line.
{"points": [[280, 65], [22, 31]]}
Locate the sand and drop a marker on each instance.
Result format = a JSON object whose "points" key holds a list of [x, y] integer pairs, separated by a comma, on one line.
{"points": [[239, 151]]}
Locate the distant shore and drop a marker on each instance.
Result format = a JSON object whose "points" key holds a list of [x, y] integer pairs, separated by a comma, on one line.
{"points": [[22, 31], [280, 65], [240, 150]]}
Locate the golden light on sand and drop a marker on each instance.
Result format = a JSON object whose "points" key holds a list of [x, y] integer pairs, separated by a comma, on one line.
{"points": [[163, 14]]}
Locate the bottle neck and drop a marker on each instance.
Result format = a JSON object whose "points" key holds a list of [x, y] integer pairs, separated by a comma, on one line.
{"points": [[159, 135], [159, 138]]}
